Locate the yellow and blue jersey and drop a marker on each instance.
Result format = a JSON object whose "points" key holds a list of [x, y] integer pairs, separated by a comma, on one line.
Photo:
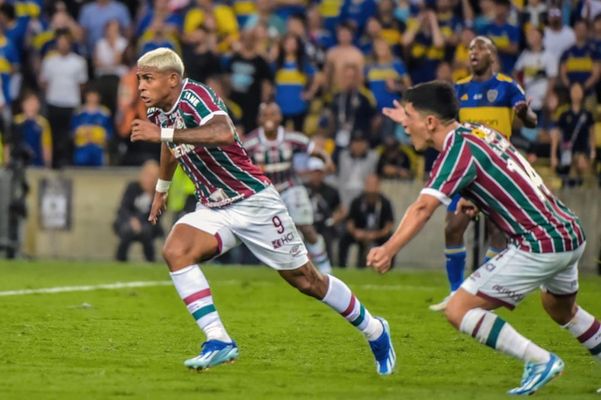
{"points": [[35, 133], [378, 74], [330, 12], [490, 102], [580, 61], [9, 60], [290, 83], [424, 58], [27, 9], [91, 133], [243, 10]]}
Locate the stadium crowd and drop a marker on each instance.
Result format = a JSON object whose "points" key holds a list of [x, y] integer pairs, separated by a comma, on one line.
{"points": [[69, 86]]}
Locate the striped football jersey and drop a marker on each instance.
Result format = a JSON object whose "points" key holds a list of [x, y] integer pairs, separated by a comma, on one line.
{"points": [[275, 157], [221, 175], [483, 166]]}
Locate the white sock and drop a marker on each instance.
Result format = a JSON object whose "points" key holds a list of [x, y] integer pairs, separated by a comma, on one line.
{"points": [[318, 254], [587, 330], [491, 330], [194, 290], [341, 299]]}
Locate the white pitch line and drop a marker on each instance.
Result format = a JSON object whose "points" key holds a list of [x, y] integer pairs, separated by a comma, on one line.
{"points": [[88, 288], [138, 284]]}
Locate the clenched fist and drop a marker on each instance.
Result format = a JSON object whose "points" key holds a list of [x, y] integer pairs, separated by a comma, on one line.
{"points": [[145, 131]]}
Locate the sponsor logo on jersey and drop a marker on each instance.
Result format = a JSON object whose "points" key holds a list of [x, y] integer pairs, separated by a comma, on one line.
{"points": [[287, 238]]}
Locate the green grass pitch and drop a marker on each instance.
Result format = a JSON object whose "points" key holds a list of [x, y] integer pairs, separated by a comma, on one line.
{"points": [[130, 343]]}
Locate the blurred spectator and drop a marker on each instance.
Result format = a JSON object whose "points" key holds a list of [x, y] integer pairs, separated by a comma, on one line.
{"points": [[243, 9], [109, 52], [15, 29], [108, 65], [504, 35], [62, 77], [44, 39], [394, 163], [217, 18], [92, 129], [387, 78], [276, 26], [322, 38], [449, 23], [352, 109], [130, 107], [200, 56], [573, 142], [461, 67], [327, 209], [94, 17], [580, 63], [369, 222], [387, 75], [314, 49], [424, 46], [354, 165], [158, 35], [534, 14], [358, 13], [486, 15], [558, 37], [392, 28], [536, 70], [373, 31], [296, 82], [131, 224], [250, 79], [444, 72], [9, 64], [329, 12], [30, 134], [344, 53]]}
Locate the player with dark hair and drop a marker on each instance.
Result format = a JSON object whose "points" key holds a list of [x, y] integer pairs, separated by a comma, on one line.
{"points": [[491, 99], [546, 238]]}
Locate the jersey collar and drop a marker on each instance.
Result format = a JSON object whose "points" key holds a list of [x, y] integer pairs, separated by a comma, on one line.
{"points": [[174, 107]]}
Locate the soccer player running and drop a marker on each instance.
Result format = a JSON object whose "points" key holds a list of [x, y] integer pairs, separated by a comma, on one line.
{"points": [[273, 149], [491, 99], [546, 238], [237, 203]]}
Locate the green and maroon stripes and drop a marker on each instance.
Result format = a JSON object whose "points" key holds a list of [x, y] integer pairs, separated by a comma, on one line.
{"points": [[351, 315], [201, 302], [490, 171]]}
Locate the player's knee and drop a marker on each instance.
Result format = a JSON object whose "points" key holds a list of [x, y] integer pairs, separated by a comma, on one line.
{"points": [[176, 255], [454, 313]]}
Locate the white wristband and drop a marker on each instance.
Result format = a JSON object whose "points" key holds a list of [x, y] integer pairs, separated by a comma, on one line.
{"points": [[162, 186], [167, 134]]}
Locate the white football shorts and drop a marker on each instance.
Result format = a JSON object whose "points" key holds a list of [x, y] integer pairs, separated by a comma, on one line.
{"points": [[298, 204], [513, 274], [261, 222]]}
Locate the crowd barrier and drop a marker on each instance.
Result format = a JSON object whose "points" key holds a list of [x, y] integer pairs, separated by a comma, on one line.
{"points": [[71, 213]]}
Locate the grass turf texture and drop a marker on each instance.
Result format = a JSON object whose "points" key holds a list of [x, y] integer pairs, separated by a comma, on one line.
{"points": [[130, 343]]}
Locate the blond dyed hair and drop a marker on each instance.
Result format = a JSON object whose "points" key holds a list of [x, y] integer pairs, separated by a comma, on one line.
{"points": [[162, 59]]}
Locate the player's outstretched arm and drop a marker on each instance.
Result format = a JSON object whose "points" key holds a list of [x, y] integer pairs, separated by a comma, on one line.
{"points": [[415, 218], [218, 131]]}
